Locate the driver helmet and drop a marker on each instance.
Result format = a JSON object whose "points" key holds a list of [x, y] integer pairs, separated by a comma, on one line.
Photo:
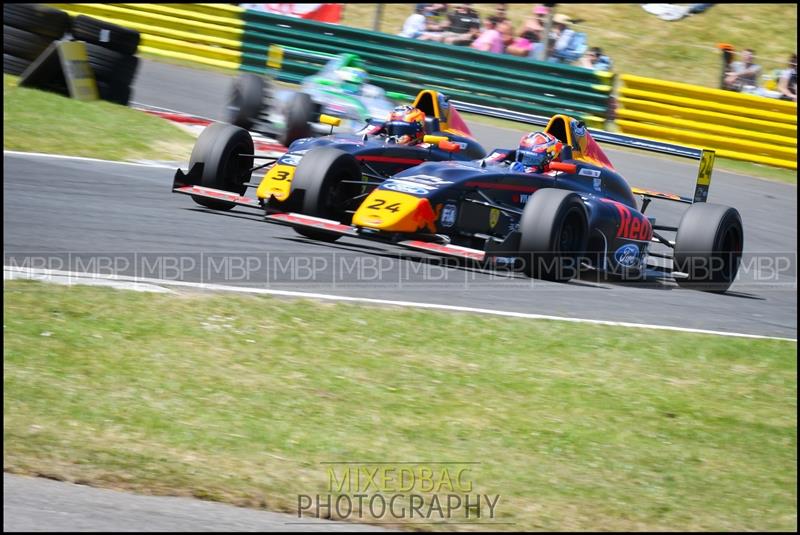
{"points": [[406, 125], [353, 78], [537, 149]]}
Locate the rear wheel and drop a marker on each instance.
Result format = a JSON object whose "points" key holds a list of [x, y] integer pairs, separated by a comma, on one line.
{"points": [[553, 235], [246, 100], [708, 247], [219, 148], [319, 176], [298, 114]]}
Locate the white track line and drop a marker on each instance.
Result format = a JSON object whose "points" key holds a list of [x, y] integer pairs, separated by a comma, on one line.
{"points": [[38, 273], [82, 159]]}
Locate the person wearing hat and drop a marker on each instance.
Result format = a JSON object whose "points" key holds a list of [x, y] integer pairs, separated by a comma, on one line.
{"points": [[567, 44], [535, 24]]}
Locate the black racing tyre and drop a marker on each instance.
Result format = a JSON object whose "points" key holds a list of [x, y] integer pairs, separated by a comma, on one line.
{"points": [[246, 100], [14, 65], [112, 66], [708, 247], [118, 94], [298, 115], [23, 44], [553, 235], [319, 177], [36, 18], [218, 148], [110, 36]]}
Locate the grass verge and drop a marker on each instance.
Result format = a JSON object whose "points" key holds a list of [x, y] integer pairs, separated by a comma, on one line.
{"points": [[240, 398], [40, 121]]}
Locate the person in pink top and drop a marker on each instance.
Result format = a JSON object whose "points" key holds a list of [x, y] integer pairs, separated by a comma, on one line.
{"points": [[490, 39]]}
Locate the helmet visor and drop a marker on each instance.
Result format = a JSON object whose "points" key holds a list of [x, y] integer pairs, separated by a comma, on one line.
{"points": [[401, 128], [531, 159]]}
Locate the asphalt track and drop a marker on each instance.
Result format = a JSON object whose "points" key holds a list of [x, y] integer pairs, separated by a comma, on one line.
{"points": [[35, 504], [70, 213]]}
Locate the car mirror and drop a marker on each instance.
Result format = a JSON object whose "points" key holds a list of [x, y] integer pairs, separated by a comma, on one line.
{"points": [[565, 167], [449, 146], [332, 121]]}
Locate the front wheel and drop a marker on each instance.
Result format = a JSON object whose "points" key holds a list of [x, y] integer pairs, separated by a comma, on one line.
{"points": [[323, 180], [708, 247], [220, 148], [553, 235]]}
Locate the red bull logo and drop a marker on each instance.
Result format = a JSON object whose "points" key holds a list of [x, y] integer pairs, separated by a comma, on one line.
{"points": [[632, 226]]}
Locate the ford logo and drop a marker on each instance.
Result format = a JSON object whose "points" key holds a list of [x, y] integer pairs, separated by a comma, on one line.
{"points": [[404, 187], [627, 255]]}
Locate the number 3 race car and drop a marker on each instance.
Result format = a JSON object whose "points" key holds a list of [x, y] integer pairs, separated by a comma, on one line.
{"points": [[222, 157], [579, 213]]}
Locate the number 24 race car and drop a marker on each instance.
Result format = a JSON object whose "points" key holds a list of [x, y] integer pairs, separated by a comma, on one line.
{"points": [[578, 213]]}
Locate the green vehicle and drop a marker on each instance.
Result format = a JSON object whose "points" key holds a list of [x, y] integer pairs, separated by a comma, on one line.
{"points": [[340, 89]]}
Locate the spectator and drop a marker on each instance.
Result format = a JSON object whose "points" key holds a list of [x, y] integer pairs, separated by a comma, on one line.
{"points": [[461, 27], [744, 74], [501, 11], [787, 82], [435, 10], [522, 45], [416, 23], [506, 30], [490, 39], [568, 45], [536, 22], [595, 59]]}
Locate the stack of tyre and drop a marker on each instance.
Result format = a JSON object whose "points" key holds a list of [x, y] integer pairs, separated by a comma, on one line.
{"points": [[28, 29], [111, 50]]}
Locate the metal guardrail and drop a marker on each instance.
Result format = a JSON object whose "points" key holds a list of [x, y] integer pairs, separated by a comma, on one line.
{"points": [[403, 65]]}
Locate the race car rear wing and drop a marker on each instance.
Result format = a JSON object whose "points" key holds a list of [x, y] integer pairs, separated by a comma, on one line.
{"points": [[704, 156]]}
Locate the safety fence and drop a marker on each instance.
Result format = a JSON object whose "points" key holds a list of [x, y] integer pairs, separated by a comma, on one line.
{"points": [[743, 127], [406, 65], [230, 37], [735, 125]]}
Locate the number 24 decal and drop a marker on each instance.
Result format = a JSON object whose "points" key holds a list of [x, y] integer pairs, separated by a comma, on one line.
{"points": [[378, 204]]}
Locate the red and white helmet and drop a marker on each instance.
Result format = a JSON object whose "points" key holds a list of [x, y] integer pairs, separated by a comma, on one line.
{"points": [[538, 149]]}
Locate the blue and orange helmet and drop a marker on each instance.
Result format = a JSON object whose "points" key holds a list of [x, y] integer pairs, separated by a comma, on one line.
{"points": [[538, 149], [406, 125]]}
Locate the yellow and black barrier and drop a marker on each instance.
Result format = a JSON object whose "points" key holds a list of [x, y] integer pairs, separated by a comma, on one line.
{"points": [[738, 126], [210, 34]]}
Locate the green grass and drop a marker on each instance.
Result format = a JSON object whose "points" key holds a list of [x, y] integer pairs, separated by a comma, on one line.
{"points": [[240, 398], [642, 44], [39, 121]]}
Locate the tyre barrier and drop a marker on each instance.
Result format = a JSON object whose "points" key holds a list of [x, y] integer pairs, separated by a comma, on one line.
{"points": [[29, 29]]}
